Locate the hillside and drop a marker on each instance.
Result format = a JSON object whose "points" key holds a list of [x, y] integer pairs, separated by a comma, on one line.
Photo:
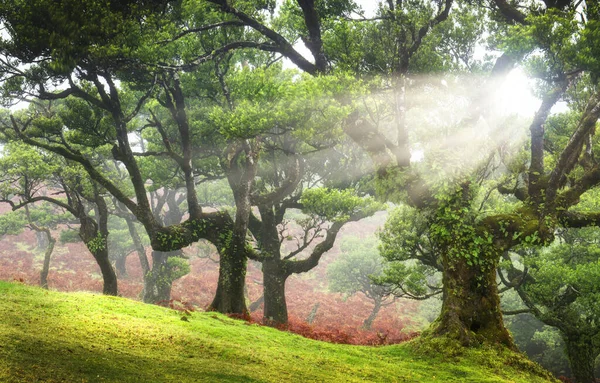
{"points": [[81, 337], [73, 268]]}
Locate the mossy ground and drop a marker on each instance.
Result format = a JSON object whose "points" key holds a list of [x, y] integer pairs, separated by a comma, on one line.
{"points": [[47, 336]]}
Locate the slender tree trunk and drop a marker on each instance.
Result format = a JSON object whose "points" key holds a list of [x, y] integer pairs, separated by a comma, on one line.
{"points": [[229, 297], [97, 243], [274, 279], [313, 313], [42, 239], [47, 256], [120, 265], [109, 275], [471, 304], [141, 252], [369, 321], [582, 356]]}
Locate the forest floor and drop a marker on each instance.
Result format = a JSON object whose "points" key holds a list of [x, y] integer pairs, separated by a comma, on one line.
{"points": [[48, 336], [334, 316]]}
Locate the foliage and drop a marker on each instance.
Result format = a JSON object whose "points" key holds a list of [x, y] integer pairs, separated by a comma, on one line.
{"points": [[410, 254], [352, 271], [336, 205], [542, 344], [346, 335], [140, 66], [12, 223]]}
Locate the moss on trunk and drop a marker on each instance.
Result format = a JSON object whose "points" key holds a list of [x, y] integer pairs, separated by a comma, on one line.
{"points": [[582, 356], [471, 304], [274, 279], [229, 297]]}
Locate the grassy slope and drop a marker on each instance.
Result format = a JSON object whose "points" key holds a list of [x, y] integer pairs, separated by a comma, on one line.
{"points": [[80, 337]]}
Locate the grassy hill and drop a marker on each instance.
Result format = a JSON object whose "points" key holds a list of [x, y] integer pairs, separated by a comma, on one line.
{"points": [[47, 336]]}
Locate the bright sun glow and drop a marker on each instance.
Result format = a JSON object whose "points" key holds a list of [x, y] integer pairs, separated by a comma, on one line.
{"points": [[515, 95]]}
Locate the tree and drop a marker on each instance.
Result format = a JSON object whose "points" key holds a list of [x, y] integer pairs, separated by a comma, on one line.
{"points": [[166, 266], [328, 210], [390, 154], [42, 219], [353, 272], [559, 286], [89, 74], [30, 173], [411, 261], [289, 140], [541, 343]]}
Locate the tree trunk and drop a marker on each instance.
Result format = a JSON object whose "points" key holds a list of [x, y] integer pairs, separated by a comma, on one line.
{"points": [[241, 166], [471, 304], [274, 279], [582, 356], [120, 265], [108, 272], [313, 313], [158, 283], [229, 297], [369, 321], [141, 252], [47, 255], [42, 239]]}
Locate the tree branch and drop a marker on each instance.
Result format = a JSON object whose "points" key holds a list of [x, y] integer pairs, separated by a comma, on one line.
{"points": [[511, 13], [536, 169], [202, 29], [281, 44], [570, 154]]}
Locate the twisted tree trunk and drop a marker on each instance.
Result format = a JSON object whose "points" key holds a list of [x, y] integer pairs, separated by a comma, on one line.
{"points": [[471, 304], [229, 297]]}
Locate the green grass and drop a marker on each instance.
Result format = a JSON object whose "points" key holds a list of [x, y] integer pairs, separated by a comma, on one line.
{"points": [[81, 337]]}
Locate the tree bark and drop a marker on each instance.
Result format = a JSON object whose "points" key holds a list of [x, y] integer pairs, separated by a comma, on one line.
{"points": [[109, 275], [369, 321], [47, 255], [120, 265], [313, 313], [274, 279], [471, 304], [94, 233], [582, 356], [229, 297], [141, 252], [241, 166], [42, 239], [257, 303]]}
